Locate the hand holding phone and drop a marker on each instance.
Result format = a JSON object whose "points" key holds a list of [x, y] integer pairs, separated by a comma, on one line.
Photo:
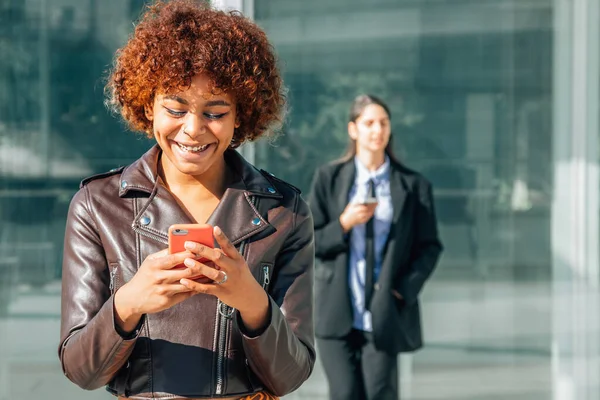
{"points": [[357, 213], [181, 233], [369, 200]]}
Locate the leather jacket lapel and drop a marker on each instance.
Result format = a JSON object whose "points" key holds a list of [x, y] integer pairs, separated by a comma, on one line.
{"points": [[155, 214], [237, 214]]}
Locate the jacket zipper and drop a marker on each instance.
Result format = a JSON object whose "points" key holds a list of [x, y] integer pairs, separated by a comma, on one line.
{"points": [[113, 277], [266, 279], [224, 314]]}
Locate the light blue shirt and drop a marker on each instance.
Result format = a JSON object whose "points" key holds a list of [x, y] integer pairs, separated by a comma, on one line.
{"points": [[383, 221]]}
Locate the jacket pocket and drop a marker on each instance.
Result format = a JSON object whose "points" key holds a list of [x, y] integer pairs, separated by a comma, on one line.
{"points": [[400, 304]]}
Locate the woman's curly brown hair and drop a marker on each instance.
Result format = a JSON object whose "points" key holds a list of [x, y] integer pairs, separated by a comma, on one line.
{"points": [[176, 40]]}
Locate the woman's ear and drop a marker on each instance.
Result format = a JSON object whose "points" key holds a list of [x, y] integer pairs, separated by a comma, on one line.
{"points": [[352, 131], [237, 123], [149, 111]]}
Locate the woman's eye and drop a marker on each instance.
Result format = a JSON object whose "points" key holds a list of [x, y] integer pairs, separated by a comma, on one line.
{"points": [[175, 113], [214, 116]]}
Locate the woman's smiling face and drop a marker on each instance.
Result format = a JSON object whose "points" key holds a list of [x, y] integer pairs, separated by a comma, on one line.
{"points": [[194, 127]]}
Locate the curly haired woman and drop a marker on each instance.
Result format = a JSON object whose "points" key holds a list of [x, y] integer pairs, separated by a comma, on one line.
{"points": [[200, 82]]}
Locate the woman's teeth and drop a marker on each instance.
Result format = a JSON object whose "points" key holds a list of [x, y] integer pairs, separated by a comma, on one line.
{"points": [[192, 149]]}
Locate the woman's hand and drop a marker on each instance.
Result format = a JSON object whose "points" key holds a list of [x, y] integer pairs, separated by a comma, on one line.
{"points": [[356, 214], [232, 281], [155, 287], [397, 295]]}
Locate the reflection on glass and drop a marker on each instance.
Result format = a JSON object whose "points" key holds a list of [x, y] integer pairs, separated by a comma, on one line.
{"points": [[54, 130], [473, 96], [471, 88], [470, 85]]}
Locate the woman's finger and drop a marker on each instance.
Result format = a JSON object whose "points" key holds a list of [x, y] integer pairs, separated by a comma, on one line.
{"points": [[191, 269], [198, 287], [227, 247], [172, 289], [195, 269], [179, 297], [207, 254], [159, 254], [360, 208], [169, 261]]}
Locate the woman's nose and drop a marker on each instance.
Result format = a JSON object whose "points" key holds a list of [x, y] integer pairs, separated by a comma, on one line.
{"points": [[194, 125], [376, 128]]}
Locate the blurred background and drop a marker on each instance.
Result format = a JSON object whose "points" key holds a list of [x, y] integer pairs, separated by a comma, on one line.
{"points": [[495, 101]]}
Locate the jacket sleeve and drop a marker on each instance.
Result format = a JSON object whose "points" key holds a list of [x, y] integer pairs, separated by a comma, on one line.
{"points": [[283, 355], [330, 238], [91, 351], [426, 247]]}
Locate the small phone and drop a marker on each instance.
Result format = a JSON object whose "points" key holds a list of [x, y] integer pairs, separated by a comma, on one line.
{"points": [[181, 233], [369, 200]]}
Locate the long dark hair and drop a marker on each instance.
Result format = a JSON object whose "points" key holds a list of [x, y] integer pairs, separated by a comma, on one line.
{"points": [[356, 109]]}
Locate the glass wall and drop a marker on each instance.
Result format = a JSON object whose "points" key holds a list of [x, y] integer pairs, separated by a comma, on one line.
{"points": [[470, 87], [54, 130], [491, 101]]}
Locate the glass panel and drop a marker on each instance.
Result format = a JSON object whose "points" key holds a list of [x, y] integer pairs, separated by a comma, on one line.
{"points": [[469, 84], [54, 130]]}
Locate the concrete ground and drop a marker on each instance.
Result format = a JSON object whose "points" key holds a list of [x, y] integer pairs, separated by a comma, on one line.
{"points": [[484, 341]]}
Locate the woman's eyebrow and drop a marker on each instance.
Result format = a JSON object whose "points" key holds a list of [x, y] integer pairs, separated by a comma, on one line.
{"points": [[211, 103], [177, 98], [217, 103]]}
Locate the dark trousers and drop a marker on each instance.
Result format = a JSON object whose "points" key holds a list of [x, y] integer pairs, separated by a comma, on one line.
{"points": [[356, 370]]}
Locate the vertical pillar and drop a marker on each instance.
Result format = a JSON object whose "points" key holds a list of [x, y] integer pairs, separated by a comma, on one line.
{"points": [[248, 150], [44, 76], [575, 208]]}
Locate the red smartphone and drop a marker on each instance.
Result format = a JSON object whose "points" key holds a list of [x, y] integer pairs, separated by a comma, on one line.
{"points": [[181, 233]]}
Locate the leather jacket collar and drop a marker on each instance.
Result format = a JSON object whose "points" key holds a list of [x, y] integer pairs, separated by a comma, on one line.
{"points": [[142, 175], [236, 213]]}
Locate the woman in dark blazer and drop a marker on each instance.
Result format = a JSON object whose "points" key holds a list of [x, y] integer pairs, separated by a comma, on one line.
{"points": [[377, 242]]}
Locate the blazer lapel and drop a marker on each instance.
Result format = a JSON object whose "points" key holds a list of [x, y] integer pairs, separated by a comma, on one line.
{"points": [[344, 182], [399, 190]]}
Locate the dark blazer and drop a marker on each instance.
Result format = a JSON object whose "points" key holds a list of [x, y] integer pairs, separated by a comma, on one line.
{"points": [[411, 253]]}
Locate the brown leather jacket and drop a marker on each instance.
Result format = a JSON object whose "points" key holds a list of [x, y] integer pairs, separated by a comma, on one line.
{"points": [[195, 349]]}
